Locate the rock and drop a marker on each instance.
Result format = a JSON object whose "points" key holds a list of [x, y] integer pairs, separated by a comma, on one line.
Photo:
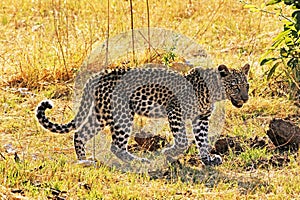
{"points": [[223, 145], [284, 134]]}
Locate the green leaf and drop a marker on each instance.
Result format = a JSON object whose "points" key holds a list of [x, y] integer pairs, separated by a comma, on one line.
{"points": [[296, 16], [250, 6], [288, 2], [267, 60], [284, 53], [289, 41], [280, 38], [272, 70], [272, 2]]}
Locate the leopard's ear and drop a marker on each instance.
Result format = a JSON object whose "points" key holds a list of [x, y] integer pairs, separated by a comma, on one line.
{"points": [[246, 69], [223, 70]]}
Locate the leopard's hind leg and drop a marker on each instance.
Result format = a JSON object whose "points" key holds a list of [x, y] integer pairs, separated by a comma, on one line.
{"points": [[121, 128], [86, 131]]}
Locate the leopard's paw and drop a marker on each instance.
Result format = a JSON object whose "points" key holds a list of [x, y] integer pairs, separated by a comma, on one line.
{"points": [[213, 160]]}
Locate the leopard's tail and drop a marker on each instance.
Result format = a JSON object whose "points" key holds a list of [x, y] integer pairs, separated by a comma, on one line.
{"points": [[85, 108], [47, 124]]}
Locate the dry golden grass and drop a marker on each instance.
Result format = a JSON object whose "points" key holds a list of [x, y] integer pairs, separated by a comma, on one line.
{"points": [[43, 44]]}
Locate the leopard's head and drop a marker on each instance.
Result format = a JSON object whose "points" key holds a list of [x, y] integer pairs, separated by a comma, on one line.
{"points": [[235, 84]]}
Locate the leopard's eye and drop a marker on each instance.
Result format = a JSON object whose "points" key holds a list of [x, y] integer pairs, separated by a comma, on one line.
{"points": [[233, 82], [235, 89]]}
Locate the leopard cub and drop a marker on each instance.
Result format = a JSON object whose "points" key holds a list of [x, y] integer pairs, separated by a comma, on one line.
{"points": [[112, 98]]}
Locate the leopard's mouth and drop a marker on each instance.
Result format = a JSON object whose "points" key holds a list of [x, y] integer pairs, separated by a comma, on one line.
{"points": [[237, 104]]}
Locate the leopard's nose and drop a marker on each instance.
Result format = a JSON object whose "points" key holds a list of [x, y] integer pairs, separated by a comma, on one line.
{"points": [[245, 97]]}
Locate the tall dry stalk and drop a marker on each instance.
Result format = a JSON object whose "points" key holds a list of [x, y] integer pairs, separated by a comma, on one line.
{"points": [[132, 30], [107, 34], [57, 19]]}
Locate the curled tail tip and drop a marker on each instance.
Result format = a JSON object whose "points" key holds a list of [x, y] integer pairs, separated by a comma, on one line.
{"points": [[45, 104]]}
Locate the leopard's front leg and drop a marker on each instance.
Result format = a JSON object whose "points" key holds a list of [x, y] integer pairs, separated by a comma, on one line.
{"points": [[200, 130]]}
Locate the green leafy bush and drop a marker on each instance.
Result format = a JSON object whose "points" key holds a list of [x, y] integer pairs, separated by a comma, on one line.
{"points": [[285, 50]]}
